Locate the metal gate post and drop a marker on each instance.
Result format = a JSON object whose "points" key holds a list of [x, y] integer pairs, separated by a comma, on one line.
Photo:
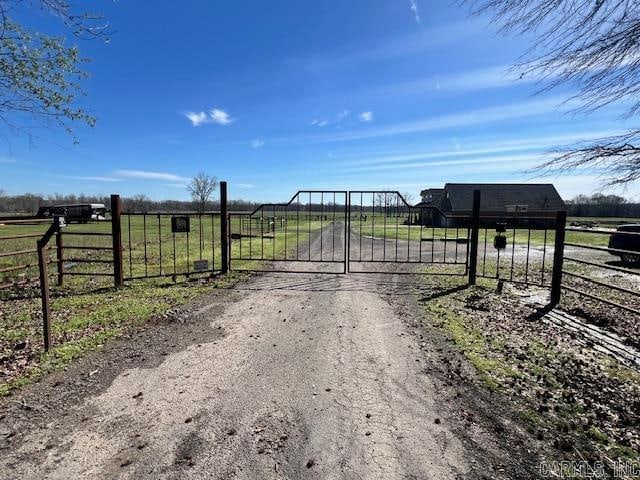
{"points": [[60, 259], [224, 227], [475, 230], [558, 258], [116, 235], [44, 293]]}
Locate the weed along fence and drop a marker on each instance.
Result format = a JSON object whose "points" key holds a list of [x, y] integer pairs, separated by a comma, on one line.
{"points": [[321, 232]]}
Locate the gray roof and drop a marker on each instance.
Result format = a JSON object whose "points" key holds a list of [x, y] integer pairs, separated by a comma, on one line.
{"points": [[496, 196]]}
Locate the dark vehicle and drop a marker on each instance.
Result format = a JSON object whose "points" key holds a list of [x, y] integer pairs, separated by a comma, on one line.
{"points": [[621, 241], [79, 213]]}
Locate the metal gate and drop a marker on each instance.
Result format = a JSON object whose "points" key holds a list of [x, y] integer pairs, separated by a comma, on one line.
{"points": [[306, 234], [387, 234], [328, 231]]}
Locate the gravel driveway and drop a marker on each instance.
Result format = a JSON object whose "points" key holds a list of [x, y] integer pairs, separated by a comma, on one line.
{"points": [[284, 376]]}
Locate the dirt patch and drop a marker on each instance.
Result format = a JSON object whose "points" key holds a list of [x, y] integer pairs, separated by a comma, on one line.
{"points": [[570, 397]]}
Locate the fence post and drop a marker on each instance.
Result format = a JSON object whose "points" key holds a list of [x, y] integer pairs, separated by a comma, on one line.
{"points": [[116, 235], [224, 227], [44, 294], [475, 231], [60, 259], [558, 258]]}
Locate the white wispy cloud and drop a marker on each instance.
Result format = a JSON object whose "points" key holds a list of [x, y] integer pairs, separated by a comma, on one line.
{"points": [[7, 160], [499, 113], [343, 114], [244, 185], [257, 143], [196, 118], [319, 123], [492, 147], [215, 115], [366, 116], [220, 117], [87, 178], [414, 9], [492, 161], [146, 175]]}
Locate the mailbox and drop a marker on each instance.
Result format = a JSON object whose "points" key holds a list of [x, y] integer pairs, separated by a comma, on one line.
{"points": [[180, 225]]}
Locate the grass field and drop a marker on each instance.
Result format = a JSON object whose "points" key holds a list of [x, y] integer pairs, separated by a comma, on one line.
{"points": [[394, 227], [149, 247]]}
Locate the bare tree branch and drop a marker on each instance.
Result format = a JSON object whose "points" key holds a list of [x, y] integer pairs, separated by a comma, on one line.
{"points": [[592, 46]]}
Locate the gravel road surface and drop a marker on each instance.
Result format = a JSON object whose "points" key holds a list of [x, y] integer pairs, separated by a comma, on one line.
{"points": [[284, 376]]}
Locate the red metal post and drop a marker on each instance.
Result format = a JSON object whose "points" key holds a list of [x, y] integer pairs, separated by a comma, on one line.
{"points": [[224, 227], [116, 234]]}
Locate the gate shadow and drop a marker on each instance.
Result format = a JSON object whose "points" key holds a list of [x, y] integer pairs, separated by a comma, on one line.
{"points": [[353, 282]]}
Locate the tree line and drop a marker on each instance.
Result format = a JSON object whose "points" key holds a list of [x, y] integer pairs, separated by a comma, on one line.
{"points": [[29, 203]]}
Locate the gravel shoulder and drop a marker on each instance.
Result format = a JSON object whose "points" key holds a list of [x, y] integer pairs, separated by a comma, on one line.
{"points": [[284, 376]]}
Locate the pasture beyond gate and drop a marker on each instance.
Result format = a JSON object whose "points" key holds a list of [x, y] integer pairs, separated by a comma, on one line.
{"points": [[319, 231]]}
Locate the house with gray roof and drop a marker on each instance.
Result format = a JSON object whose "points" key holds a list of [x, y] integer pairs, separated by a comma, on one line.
{"points": [[498, 200]]}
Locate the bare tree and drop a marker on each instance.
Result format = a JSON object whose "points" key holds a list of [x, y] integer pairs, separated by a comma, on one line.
{"points": [[591, 46], [39, 74], [201, 187], [408, 197]]}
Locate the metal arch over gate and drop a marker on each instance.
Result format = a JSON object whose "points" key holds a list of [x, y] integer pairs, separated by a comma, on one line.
{"points": [[338, 231]]}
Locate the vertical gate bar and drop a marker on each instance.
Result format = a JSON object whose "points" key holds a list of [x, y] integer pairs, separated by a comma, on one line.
{"points": [[273, 242], [188, 254], [467, 254], [484, 258], [384, 236], [160, 241], [558, 258], [224, 228], [498, 264], [408, 234], [347, 229], [116, 237], [444, 253], [433, 239], [373, 220], [213, 241], [250, 237], [60, 255], [144, 230], [526, 269], [286, 226], [321, 220], [298, 228], [421, 218], [200, 231], [262, 233], [513, 251], [174, 248], [544, 252], [360, 231], [457, 235], [333, 230], [130, 247], [397, 216], [309, 226], [475, 232], [44, 293]]}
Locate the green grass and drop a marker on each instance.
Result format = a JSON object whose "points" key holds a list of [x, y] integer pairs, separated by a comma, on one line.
{"points": [[394, 227], [83, 322], [150, 248]]}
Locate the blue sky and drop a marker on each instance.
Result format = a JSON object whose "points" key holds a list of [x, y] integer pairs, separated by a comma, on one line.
{"points": [[285, 95]]}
